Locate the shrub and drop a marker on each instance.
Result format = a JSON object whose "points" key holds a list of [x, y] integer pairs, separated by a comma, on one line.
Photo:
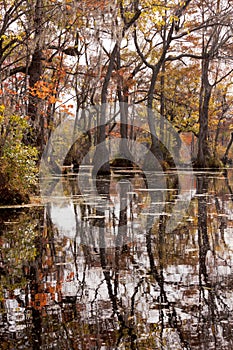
{"points": [[17, 161]]}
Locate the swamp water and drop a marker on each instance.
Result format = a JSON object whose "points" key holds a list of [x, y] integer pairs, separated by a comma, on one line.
{"points": [[123, 266]]}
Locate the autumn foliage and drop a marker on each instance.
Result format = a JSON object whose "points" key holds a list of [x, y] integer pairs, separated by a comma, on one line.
{"points": [[57, 57]]}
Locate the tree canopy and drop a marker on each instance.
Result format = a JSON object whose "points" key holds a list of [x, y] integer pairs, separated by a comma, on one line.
{"points": [[60, 56]]}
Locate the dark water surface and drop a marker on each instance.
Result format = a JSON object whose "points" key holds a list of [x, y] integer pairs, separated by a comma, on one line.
{"points": [[123, 265]]}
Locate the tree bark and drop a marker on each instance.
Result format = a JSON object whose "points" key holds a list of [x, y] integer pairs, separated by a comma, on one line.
{"points": [[102, 151], [225, 157], [204, 100], [35, 70], [122, 91]]}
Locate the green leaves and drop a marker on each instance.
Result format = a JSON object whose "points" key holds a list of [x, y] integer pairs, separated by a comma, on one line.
{"points": [[18, 161]]}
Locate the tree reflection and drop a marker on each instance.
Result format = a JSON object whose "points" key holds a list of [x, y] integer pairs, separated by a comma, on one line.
{"points": [[148, 289], [208, 288], [166, 308]]}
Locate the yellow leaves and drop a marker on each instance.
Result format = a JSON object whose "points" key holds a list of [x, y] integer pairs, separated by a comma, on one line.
{"points": [[153, 16], [173, 19], [1, 119], [3, 37], [12, 39], [2, 109]]}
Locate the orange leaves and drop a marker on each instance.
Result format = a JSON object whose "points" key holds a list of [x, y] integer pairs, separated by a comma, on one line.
{"points": [[52, 99], [68, 8], [40, 301], [66, 109], [94, 5], [44, 90], [187, 137], [70, 276], [60, 73]]}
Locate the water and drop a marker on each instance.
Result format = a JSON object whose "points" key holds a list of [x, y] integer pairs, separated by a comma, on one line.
{"points": [[118, 264]]}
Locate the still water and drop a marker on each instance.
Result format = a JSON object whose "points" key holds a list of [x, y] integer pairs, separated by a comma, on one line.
{"points": [[120, 264]]}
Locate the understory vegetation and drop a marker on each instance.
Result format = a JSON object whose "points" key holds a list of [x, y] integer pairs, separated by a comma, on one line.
{"points": [[18, 168]]}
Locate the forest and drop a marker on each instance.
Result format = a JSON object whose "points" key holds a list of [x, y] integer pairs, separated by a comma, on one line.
{"points": [[116, 174], [60, 57]]}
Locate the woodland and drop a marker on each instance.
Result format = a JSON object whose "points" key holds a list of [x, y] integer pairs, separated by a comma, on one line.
{"points": [[58, 57]]}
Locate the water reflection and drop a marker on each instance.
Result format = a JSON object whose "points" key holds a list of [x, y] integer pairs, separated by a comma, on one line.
{"points": [[79, 274]]}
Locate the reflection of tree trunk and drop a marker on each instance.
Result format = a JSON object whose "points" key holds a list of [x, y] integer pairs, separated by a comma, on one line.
{"points": [[204, 246], [35, 270], [228, 183], [122, 230], [122, 227], [220, 209], [103, 189], [112, 279], [203, 240], [37, 328], [36, 312], [224, 222], [159, 278], [124, 326], [107, 276]]}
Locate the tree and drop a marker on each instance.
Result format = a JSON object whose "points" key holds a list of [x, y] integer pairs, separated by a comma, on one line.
{"points": [[166, 27], [215, 56], [59, 57], [102, 151]]}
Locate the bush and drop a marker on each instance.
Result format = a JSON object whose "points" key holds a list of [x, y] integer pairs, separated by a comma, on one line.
{"points": [[17, 161]]}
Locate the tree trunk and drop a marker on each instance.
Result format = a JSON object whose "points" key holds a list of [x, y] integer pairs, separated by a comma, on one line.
{"points": [[155, 150], [225, 157], [101, 152], [203, 155], [122, 91], [162, 103], [35, 70]]}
